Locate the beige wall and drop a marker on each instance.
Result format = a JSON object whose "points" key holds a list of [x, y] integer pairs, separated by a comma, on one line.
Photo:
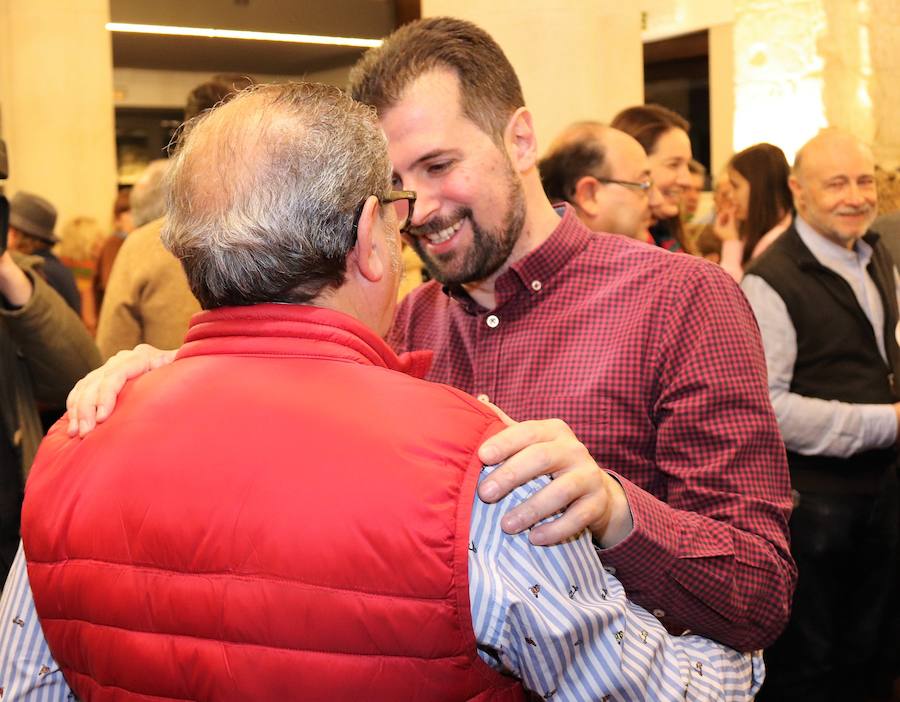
{"points": [[668, 18], [56, 103], [801, 65], [139, 87], [576, 60], [721, 96]]}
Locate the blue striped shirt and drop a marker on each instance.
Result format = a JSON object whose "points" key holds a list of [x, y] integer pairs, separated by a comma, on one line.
{"points": [[548, 615]]}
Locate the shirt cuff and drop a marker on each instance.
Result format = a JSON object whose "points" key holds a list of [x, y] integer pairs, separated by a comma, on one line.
{"points": [[645, 556]]}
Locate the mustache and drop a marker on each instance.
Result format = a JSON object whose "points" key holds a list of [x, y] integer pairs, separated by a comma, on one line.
{"points": [[852, 211], [438, 223]]}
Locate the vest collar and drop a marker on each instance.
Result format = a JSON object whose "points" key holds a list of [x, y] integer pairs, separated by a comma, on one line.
{"points": [[295, 330]]}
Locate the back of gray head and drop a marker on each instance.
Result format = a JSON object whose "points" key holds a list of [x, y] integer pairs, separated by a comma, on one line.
{"points": [[263, 192]]}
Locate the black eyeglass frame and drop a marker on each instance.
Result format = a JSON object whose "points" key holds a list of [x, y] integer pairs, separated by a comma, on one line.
{"points": [[642, 186], [392, 196]]}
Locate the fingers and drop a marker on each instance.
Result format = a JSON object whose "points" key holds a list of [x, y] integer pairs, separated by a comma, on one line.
{"points": [[158, 359], [516, 437], [581, 492], [579, 516], [93, 398]]}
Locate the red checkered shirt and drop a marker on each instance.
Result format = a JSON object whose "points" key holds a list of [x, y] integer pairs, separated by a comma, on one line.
{"points": [[654, 360]]}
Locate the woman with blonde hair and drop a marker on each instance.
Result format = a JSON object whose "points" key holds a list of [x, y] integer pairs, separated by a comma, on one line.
{"points": [[80, 241]]}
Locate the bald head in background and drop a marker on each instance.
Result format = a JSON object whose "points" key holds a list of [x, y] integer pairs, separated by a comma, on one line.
{"points": [[833, 183], [600, 171]]}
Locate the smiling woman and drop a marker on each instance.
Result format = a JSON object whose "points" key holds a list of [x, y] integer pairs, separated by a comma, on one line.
{"points": [[664, 136]]}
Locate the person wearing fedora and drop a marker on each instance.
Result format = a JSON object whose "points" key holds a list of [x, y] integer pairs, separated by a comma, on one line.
{"points": [[31, 223]]}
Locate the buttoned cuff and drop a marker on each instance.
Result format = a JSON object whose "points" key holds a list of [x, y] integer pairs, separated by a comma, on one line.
{"points": [[643, 558]]}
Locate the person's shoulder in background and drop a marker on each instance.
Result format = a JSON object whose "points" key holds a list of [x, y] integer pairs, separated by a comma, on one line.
{"points": [[888, 226]]}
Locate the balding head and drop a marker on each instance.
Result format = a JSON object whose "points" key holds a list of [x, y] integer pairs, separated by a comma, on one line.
{"points": [[580, 167], [833, 183], [264, 189]]}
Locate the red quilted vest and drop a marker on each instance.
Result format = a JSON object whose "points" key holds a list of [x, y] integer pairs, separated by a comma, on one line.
{"points": [[278, 515]]}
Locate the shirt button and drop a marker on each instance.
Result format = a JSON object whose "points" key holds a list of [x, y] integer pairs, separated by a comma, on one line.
{"points": [[493, 321], [483, 398], [536, 285], [658, 613]]}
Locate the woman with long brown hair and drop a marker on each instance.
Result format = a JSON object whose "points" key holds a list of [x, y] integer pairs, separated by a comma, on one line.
{"points": [[664, 136], [761, 206]]}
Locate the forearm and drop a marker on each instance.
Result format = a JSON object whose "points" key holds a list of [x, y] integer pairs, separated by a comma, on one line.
{"points": [[52, 340], [709, 575], [730, 261], [812, 426]]}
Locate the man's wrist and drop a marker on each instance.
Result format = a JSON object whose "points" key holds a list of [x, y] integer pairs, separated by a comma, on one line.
{"points": [[620, 523]]}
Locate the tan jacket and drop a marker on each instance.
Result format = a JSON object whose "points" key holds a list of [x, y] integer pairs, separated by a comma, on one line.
{"points": [[147, 299], [44, 350]]}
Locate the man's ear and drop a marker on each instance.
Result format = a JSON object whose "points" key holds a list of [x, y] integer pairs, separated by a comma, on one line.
{"points": [[796, 190], [521, 141], [585, 195], [369, 249]]}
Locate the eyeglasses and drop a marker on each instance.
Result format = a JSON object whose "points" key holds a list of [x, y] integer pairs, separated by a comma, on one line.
{"points": [[644, 185], [403, 201]]}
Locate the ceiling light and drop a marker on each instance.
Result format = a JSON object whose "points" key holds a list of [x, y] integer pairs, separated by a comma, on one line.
{"points": [[240, 34]]}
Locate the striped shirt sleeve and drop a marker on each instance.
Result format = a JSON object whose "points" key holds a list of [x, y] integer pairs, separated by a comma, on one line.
{"points": [[27, 669], [555, 618]]}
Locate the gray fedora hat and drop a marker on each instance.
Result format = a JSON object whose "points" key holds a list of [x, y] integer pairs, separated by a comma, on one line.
{"points": [[33, 215]]}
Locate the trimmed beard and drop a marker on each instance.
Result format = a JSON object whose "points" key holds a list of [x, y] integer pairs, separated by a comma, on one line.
{"points": [[490, 249]]}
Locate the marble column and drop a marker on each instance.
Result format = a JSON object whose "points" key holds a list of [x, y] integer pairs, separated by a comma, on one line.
{"points": [[56, 103], [801, 65]]}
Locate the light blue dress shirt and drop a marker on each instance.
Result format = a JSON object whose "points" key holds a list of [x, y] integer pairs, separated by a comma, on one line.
{"points": [[813, 426], [548, 615]]}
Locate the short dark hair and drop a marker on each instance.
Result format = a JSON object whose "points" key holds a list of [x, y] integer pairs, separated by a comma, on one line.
{"points": [[219, 88], [647, 123], [767, 171], [578, 151], [489, 89]]}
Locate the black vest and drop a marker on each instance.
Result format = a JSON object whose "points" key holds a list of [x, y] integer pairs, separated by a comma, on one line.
{"points": [[837, 352]]}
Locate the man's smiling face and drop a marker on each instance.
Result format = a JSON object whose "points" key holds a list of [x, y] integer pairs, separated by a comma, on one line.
{"points": [[470, 206]]}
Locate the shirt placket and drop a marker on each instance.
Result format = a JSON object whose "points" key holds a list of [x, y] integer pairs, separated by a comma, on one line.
{"points": [[486, 371]]}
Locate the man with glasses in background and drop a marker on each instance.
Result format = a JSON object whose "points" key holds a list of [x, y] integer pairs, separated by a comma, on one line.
{"points": [[604, 174]]}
